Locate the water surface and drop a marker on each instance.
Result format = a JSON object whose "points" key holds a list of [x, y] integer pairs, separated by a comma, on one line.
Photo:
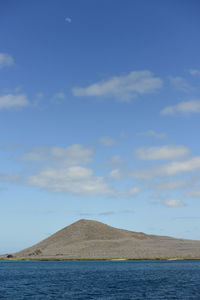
{"points": [[100, 280]]}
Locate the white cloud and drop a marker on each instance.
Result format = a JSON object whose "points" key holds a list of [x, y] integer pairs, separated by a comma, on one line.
{"points": [[169, 169], [180, 84], [130, 192], [161, 153], [115, 174], [72, 155], [59, 95], [182, 166], [123, 88], [174, 203], [10, 178], [68, 20], [147, 173], [186, 107], [6, 60], [75, 154], [13, 101], [75, 180], [108, 141], [152, 133], [170, 185], [37, 154], [194, 72]]}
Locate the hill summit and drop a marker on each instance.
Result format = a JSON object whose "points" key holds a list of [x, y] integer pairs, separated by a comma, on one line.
{"points": [[88, 239]]}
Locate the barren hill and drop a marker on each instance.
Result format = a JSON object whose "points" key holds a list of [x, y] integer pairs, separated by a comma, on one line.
{"points": [[87, 239]]}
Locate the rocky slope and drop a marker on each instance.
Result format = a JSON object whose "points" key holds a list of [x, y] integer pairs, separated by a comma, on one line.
{"points": [[87, 239]]}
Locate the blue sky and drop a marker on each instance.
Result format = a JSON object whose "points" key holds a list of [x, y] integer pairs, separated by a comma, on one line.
{"points": [[99, 117]]}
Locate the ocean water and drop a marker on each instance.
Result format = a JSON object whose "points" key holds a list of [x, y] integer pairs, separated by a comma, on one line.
{"points": [[100, 280]]}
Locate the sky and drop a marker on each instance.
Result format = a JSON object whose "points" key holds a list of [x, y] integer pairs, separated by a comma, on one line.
{"points": [[99, 117]]}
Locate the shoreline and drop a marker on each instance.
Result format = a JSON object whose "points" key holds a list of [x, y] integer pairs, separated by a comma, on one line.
{"points": [[99, 259]]}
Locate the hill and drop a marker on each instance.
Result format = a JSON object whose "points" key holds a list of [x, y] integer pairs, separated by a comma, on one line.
{"points": [[87, 239]]}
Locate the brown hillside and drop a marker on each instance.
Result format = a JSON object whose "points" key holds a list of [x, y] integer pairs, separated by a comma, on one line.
{"points": [[87, 239]]}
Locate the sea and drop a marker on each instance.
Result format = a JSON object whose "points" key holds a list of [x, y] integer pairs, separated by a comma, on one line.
{"points": [[100, 280]]}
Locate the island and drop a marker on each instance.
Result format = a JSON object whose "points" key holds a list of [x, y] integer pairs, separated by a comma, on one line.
{"points": [[93, 240]]}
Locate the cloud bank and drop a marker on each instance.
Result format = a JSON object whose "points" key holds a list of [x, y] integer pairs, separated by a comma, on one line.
{"points": [[170, 169], [62, 156], [76, 180], [10, 101], [161, 153], [185, 107], [123, 88]]}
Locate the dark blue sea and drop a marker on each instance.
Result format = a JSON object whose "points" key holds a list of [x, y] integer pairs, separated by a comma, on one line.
{"points": [[100, 280]]}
